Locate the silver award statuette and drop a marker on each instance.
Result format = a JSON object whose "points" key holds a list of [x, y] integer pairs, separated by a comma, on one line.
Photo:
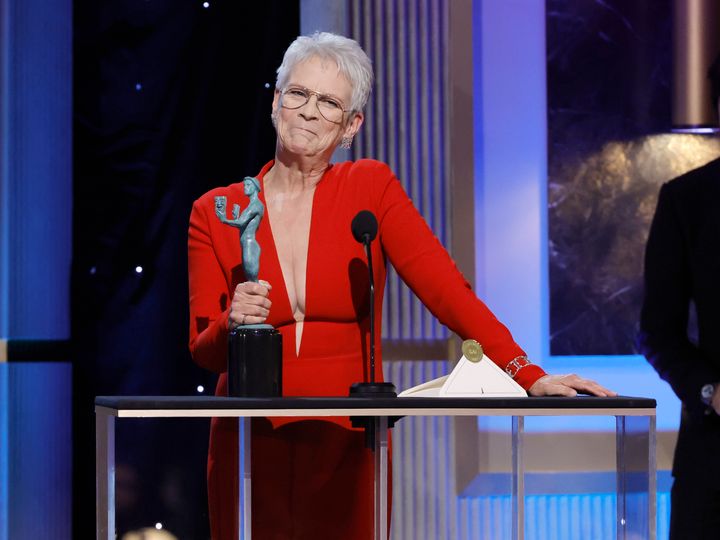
{"points": [[248, 222], [254, 350]]}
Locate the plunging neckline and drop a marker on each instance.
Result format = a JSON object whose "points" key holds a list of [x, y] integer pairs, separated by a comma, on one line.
{"points": [[296, 350]]}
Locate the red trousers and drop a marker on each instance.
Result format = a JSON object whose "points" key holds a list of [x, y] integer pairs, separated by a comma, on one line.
{"points": [[311, 479]]}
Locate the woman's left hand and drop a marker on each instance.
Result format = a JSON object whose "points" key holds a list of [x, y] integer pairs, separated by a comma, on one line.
{"points": [[568, 385]]}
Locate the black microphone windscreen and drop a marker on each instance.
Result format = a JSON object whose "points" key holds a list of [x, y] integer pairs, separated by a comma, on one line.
{"points": [[364, 223]]}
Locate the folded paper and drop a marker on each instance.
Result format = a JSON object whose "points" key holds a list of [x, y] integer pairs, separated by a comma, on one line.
{"points": [[475, 375]]}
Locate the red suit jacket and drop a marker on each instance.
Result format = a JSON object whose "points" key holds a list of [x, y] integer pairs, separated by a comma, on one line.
{"points": [[335, 341]]}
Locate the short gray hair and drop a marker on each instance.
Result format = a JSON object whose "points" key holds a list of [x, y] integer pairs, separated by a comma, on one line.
{"points": [[351, 60]]}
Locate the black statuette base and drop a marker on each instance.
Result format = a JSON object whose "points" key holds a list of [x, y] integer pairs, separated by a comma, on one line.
{"points": [[254, 362]]}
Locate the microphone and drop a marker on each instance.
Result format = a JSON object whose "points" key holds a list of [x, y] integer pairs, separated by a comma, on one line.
{"points": [[364, 228]]}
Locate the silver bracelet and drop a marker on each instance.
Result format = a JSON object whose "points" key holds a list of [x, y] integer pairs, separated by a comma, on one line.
{"points": [[516, 364]]}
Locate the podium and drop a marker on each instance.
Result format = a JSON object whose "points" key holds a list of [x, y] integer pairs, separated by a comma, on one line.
{"points": [[635, 443]]}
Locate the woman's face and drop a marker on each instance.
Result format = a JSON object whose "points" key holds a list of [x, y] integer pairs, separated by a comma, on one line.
{"points": [[304, 131]]}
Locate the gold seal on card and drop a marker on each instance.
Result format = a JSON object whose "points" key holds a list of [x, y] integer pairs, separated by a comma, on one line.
{"points": [[472, 350]]}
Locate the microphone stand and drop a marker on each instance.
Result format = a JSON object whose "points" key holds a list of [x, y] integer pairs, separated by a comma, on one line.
{"points": [[366, 243], [371, 389]]}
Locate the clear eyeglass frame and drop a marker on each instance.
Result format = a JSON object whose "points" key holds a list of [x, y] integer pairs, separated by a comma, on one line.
{"points": [[329, 107]]}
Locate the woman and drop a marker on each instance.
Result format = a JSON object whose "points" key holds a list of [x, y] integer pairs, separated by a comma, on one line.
{"points": [[313, 291]]}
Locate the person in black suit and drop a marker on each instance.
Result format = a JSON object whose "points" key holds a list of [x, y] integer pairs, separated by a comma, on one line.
{"points": [[682, 269]]}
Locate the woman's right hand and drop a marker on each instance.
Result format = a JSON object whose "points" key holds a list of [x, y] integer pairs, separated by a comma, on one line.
{"points": [[250, 303]]}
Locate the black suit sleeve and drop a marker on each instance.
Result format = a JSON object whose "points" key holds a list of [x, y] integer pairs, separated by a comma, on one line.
{"points": [[663, 336]]}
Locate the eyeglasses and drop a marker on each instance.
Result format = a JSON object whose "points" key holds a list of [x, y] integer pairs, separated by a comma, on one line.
{"points": [[330, 108]]}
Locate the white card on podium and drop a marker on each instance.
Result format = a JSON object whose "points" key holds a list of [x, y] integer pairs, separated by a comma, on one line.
{"points": [[426, 389], [475, 375]]}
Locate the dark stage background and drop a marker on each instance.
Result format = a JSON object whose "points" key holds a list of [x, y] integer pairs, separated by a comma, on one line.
{"points": [[170, 100], [610, 149]]}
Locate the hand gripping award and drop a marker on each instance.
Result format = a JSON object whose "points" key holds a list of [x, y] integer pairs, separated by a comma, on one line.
{"points": [[254, 350]]}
